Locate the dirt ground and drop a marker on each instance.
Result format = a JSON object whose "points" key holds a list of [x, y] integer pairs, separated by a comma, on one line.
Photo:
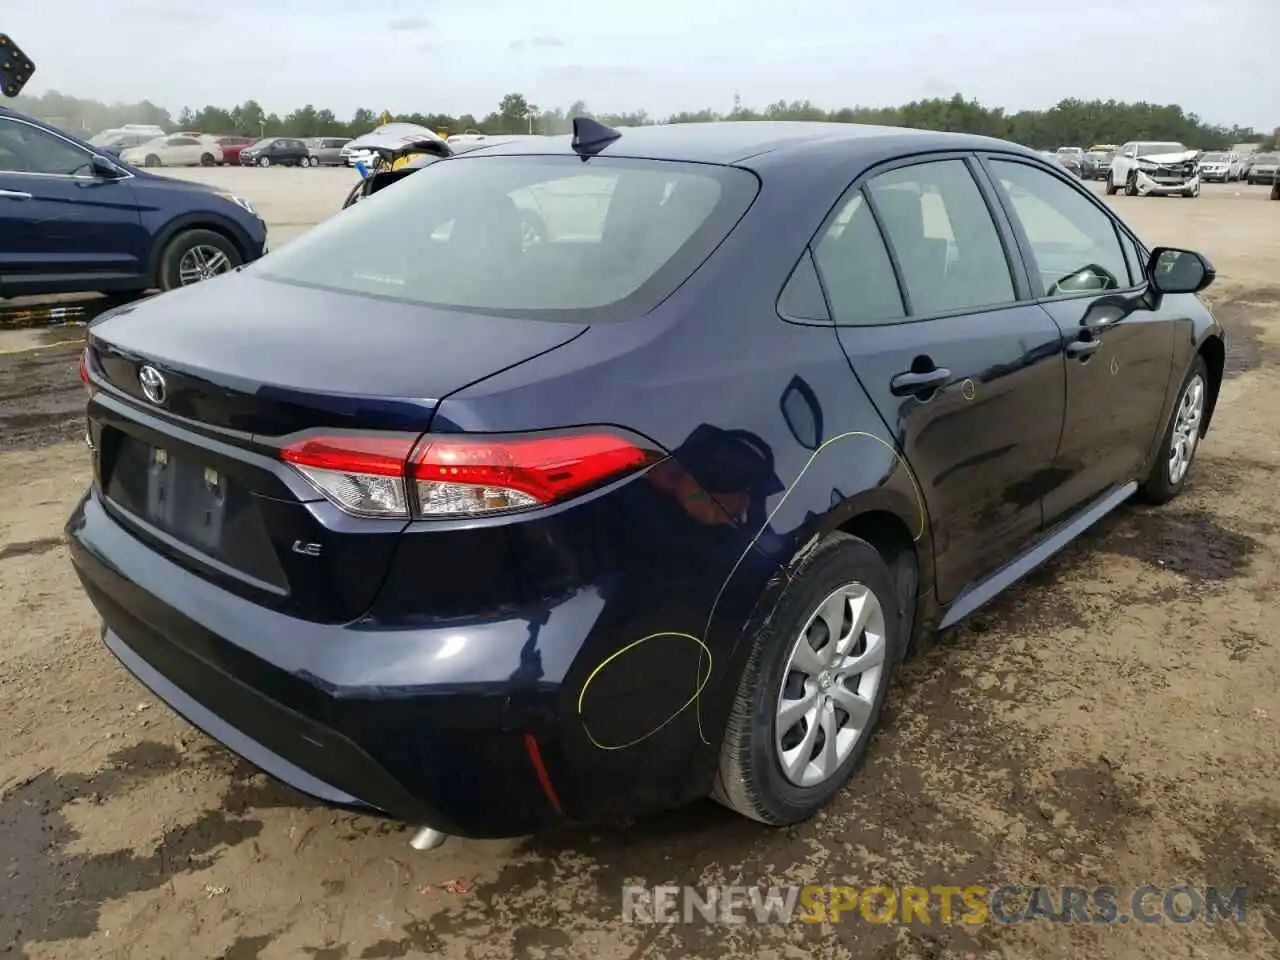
{"points": [[1116, 720]]}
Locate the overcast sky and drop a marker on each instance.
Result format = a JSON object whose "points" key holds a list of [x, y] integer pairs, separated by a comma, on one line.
{"points": [[1215, 57]]}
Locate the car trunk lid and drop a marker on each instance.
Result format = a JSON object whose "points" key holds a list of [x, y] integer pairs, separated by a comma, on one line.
{"points": [[245, 364]]}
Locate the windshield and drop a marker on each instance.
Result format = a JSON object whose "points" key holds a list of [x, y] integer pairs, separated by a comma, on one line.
{"points": [[1267, 158], [1157, 147], [1072, 150], [1213, 158], [549, 237], [106, 139]]}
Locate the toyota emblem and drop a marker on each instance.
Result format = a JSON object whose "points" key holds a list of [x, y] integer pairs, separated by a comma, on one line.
{"points": [[153, 385]]}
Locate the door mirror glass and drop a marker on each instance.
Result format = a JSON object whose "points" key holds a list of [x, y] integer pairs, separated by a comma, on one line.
{"points": [[1179, 271]]}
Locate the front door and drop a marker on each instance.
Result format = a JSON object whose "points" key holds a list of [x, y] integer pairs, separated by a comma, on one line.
{"points": [[1119, 350], [966, 373], [59, 222]]}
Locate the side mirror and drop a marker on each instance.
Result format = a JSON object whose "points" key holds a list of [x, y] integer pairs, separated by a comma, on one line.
{"points": [[103, 168], [1179, 271]]}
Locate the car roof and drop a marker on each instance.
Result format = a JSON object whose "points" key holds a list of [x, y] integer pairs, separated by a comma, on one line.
{"points": [[733, 142]]}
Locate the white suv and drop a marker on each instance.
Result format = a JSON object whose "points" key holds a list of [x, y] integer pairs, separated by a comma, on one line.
{"points": [[1154, 167]]}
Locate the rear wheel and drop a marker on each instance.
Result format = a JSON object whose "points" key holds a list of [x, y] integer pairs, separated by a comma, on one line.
{"points": [[1275, 190], [1182, 438], [207, 160], [810, 696], [304, 162], [195, 255]]}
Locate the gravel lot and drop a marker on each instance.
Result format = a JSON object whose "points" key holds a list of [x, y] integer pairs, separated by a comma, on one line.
{"points": [[1116, 720]]}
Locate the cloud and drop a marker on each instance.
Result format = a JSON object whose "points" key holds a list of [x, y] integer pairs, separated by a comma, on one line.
{"points": [[409, 24], [538, 43], [142, 13]]}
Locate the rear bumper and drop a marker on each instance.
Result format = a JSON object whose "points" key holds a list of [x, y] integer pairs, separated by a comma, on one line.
{"points": [[364, 719]]}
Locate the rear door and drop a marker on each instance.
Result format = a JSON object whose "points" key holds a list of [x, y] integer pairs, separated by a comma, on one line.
{"points": [[932, 308], [182, 151], [58, 221], [1119, 349]]}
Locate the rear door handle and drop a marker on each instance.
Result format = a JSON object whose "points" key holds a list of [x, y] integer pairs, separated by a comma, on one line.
{"points": [[14, 195], [1082, 349], [905, 384]]}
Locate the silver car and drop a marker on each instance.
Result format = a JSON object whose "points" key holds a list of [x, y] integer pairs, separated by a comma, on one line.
{"points": [[327, 151], [1264, 168]]}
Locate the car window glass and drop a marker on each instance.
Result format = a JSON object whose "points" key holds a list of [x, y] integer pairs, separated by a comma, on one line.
{"points": [[943, 237], [544, 237], [856, 269], [28, 149], [802, 296], [1134, 258], [1073, 243]]}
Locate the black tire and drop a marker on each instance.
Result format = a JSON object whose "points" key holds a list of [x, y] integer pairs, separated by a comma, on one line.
{"points": [[206, 160], [1158, 487], [167, 276], [264, 161], [1275, 190], [1111, 188], [1131, 184], [750, 779], [152, 160]]}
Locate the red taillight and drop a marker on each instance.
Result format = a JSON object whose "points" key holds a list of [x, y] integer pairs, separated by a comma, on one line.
{"points": [[464, 476], [84, 366]]}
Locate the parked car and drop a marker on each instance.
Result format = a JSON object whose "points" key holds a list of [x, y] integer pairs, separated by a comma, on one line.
{"points": [[1264, 168], [1154, 168], [114, 142], [1066, 162], [232, 147], [365, 148], [1218, 167], [525, 543], [327, 151], [176, 150], [276, 151], [1096, 165], [77, 219]]}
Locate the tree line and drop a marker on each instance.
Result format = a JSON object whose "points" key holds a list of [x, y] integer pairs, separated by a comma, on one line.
{"points": [[1068, 122]]}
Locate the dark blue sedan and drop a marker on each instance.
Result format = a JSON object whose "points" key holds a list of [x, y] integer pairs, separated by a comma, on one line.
{"points": [[490, 530], [74, 218]]}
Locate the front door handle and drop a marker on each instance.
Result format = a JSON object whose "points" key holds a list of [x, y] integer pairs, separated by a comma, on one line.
{"points": [[1082, 349], [14, 195], [906, 384]]}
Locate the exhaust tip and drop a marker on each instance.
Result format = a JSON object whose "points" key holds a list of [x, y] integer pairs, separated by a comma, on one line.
{"points": [[427, 839]]}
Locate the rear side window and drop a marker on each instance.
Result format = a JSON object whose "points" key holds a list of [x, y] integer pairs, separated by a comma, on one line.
{"points": [[1075, 245], [943, 237], [856, 269], [549, 237]]}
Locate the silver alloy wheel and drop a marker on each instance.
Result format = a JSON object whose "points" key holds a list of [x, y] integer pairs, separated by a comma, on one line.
{"points": [[1186, 429], [202, 262], [830, 684], [264, 161]]}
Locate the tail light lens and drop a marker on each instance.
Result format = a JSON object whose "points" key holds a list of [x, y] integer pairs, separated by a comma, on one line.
{"points": [[467, 475], [84, 371]]}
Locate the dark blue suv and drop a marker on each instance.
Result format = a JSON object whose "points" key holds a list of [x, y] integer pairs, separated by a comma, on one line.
{"points": [[73, 219]]}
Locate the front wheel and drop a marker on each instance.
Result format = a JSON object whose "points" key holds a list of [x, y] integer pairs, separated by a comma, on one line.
{"points": [[1131, 185], [196, 255], [264, 161], [1182, 438], [1111, 188], [152, 160], [811, 693]]}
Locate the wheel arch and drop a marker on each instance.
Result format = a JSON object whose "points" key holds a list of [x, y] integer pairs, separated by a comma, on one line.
{"points": [[1214, 352]]}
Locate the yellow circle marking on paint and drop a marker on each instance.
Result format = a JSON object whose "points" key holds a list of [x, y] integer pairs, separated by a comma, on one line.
{"points": [[702, 683]]}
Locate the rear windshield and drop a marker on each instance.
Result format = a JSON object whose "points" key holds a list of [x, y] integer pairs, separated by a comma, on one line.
{"points": [[549, 237]]}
